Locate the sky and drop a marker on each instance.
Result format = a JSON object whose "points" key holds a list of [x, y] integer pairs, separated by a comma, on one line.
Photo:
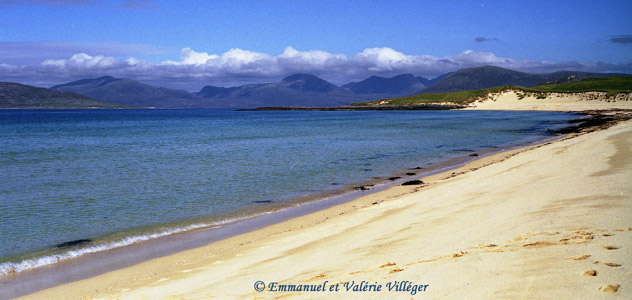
{"points": [[190, 44]]}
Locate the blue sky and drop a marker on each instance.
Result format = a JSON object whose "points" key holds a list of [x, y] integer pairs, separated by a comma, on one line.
{"points": [[188, 44]]}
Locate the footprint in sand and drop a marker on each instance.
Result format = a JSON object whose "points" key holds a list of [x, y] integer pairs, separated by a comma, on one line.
{"points": [[395, 271], [388, 264], [538, 244], [590, 273], [581, 257], [614, 265], [459, 254], [611, 288], [609, 247]]}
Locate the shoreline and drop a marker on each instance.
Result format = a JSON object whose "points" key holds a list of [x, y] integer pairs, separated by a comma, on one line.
{"points": [[339, 194], [95, 263], [363, 202]]}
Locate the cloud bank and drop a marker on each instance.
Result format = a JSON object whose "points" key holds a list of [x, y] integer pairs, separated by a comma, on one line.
{"points": [[621, 39], [30, 53], [481, 39], [195, 69]]}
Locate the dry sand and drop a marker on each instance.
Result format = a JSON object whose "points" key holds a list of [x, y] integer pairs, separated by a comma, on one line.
{"points": [[552, 221], [555, 101]]}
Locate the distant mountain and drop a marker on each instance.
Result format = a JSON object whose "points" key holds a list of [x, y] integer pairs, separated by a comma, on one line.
{"points": [[400, 85], [294, 90], [16, 96], [397, 86], [130, 92], [307, 90], [489, 76], [437, 79]]}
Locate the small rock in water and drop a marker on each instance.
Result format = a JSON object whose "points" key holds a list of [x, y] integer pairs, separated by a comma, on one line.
{"points": [[413, 182], [411, 174], [262, 201], [394, 178], [73, 243], [363, 187], [474, 154]]}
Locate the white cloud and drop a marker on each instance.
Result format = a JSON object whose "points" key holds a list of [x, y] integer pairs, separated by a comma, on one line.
{"points": [[383, 59], [191, 57], [312, 57], [82, 60], [238, 66], [30, 53]]}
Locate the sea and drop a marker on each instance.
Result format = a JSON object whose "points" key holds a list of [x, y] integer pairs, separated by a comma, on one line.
{"points": [[74, 182]]}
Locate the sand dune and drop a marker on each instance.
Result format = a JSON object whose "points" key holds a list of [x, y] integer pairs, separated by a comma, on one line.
{"points": [[555, 102]]}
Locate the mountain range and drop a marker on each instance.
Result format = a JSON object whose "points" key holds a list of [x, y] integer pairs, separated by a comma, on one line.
{"points": [[130, 92], [20, 96], [400, 85], [296, 90]]}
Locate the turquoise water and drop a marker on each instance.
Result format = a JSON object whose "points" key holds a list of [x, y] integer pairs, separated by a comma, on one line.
{"points": [[120, 176]]}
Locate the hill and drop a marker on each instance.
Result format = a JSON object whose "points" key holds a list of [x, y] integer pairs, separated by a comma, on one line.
{"points": [[609, 85], [401, 85], [20, 96], [471, 79], [130, 92]]}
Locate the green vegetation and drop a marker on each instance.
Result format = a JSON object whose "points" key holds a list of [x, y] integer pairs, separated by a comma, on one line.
{"points": [[461, 97], [610, 85]]}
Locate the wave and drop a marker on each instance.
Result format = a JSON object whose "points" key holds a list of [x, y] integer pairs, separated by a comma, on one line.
{"points": [[15, 267]]}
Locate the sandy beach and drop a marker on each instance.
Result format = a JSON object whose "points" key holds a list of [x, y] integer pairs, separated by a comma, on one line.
{"points": [[554, 102], [552, 221]]}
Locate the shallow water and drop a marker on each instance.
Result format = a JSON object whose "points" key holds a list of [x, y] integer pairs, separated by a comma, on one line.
{"points": [[120, 176]]}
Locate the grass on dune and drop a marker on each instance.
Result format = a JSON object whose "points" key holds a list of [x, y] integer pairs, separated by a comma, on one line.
{"points": [[610, 85]]}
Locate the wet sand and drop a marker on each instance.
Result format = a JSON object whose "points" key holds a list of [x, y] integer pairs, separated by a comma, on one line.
{"points": [[552, 221]]}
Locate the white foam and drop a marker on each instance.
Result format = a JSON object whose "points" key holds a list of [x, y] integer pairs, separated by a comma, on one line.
{"points": [[13, 267]]}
